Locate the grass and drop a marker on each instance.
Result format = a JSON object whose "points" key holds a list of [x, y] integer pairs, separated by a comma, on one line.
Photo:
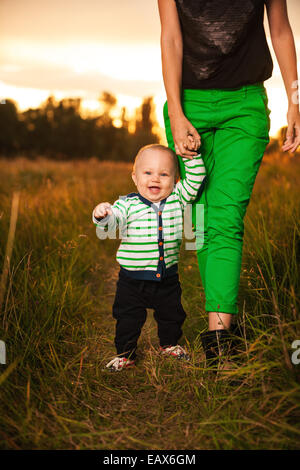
{"points": [[57, 325]]}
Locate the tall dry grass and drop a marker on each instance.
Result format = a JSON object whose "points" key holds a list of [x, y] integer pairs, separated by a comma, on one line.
{"points": [[57, 325]]}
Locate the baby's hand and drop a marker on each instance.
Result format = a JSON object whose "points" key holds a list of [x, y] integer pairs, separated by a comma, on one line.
{"points": [[102, 210], [191, 145]]}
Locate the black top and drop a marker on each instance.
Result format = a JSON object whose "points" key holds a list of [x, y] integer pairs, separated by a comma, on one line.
{"points": [[224, 43]]}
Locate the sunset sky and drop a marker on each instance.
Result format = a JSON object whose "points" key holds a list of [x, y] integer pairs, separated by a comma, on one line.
{"points": [[79, 48]]}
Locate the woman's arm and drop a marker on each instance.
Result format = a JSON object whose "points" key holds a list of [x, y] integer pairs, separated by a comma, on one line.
{"points": [[171, 55], [284, 48]]}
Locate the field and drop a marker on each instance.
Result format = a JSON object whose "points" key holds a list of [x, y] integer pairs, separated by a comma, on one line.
{"points": [[58, 329]]}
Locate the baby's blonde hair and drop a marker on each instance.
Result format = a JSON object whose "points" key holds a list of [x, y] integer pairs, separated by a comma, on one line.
{"points": [[159, 147]]}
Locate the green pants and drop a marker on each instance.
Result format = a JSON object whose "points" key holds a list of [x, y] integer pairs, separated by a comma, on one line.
{"points": [[234, 128]]}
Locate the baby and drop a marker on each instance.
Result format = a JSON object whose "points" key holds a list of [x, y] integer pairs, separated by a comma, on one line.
{"points": [[148, 255]]}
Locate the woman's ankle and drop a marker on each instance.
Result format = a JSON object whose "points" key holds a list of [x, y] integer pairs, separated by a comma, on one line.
{"points": [[219, 321]]}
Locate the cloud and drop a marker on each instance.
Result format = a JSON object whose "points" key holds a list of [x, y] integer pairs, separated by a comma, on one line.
{"points": [[61, 78]]}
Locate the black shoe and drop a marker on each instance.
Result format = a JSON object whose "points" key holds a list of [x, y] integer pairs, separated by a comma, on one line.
{"points": [[217, 345], [222, 349]]}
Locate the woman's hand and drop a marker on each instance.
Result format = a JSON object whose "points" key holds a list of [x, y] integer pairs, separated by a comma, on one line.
{"points": [[293, 131], [185, 136]]}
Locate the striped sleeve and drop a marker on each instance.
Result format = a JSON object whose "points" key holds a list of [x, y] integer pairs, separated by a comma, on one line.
{"points": [[187, 188], [118, 217]]}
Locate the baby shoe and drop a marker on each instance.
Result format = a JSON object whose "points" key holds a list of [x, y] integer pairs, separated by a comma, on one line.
{"points": [[177, 351], [119, 363]]}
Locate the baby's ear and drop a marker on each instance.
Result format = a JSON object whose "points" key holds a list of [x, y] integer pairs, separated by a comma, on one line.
{"points": [[133, 177]]}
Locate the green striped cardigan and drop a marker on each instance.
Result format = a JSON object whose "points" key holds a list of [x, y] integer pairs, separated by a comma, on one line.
{"points": [[151, 234]]}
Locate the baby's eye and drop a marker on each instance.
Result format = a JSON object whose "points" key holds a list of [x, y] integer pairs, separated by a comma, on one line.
{"points": [[164, 174], [148, 172]]}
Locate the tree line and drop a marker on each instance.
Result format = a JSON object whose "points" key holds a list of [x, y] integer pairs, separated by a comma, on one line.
{"points": [[58, 130]]}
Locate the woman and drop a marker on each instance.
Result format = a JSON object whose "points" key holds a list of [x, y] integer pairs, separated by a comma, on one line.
{"points": [[215, 58]]}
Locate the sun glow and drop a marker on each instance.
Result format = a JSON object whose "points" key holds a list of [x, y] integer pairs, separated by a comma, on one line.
{"points": [[112, 65], [278, 105], [31, 97], [120, 61]]}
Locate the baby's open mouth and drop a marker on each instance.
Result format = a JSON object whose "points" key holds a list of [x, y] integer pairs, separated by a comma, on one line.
{"points": [[154, 189]]}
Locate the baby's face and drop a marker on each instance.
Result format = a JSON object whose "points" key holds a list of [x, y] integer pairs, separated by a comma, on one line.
{"points": [[154, 174]]}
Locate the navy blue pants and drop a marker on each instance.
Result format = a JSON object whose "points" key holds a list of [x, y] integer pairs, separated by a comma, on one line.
{"points": [[133, 297]]}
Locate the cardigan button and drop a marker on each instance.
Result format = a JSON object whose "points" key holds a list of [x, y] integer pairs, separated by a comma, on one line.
{"points": [[159, 213], [160, 243], [157, 275], [159, 228], [161, 258]]}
